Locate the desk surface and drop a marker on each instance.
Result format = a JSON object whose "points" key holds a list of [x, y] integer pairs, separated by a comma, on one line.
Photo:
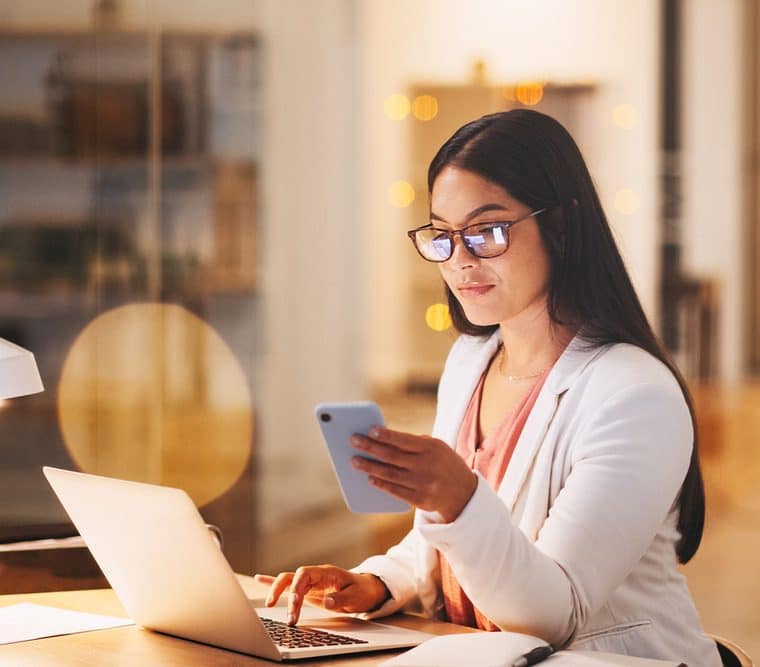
{"points": [[130, 646]]}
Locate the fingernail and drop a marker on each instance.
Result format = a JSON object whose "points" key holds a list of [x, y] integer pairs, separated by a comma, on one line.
{"points": [[355, 462], [374, 432], [268, 601], [329, 602], [291, 618], [356, 441]]}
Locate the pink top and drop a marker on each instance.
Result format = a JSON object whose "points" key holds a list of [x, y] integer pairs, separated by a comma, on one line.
{"points": [[490, 458]]}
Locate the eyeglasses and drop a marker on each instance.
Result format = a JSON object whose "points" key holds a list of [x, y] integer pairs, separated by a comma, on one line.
{"points": [[483, 239]]}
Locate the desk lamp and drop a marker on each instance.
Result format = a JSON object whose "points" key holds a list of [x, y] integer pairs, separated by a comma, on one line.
{"points": [[18, 371]]}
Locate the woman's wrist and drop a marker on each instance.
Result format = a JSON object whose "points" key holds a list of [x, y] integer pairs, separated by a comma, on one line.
{"points": [[380, 593], [467, 493]]}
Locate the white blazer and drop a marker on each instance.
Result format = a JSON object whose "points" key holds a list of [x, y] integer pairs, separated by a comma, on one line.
{"points": [[578, 545]]}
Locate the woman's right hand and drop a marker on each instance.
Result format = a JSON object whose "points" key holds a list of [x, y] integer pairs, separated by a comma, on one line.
{"points": [[325, 586]]}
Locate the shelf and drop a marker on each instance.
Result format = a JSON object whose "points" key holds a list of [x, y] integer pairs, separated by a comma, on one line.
{"points": [[186, 161], [47, 32]]}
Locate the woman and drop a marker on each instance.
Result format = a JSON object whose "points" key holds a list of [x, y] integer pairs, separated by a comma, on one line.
{"points": [[561, 484]]}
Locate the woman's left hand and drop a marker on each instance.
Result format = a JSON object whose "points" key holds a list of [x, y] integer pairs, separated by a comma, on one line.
{"points": [[421, 470]]}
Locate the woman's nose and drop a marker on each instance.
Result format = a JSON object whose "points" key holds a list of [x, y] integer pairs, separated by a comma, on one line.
{"points": [[460, 256]]}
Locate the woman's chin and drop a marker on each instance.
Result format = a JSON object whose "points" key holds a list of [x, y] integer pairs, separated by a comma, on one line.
{"points": [[480, 319]]}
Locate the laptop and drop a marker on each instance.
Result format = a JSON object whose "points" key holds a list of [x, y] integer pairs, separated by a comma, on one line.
{"points": [[171, 576]]}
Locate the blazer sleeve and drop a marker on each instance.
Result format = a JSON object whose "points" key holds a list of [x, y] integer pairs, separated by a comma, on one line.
{"points": [[408, 567], [396, 570], [628, 464]]}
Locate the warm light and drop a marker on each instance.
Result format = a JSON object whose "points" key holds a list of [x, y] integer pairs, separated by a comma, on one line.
{"points": [[529, 94], [509, 93], [401, 194], [438, 317], [626, 201], [425, 107], [150, 392], [625, 116], [3, 403], [396, 107]]}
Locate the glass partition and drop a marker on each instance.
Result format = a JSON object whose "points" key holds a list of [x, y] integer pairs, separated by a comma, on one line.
{"points": [[129, 169]]}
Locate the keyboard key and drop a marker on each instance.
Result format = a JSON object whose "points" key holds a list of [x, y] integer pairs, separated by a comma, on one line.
{"points": [[294, 637]]}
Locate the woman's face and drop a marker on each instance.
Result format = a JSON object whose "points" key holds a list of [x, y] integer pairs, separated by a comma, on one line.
{"points": [[510, 287]]}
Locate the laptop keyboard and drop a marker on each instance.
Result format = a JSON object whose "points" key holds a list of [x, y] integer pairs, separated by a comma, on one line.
{"points": [[291, 636]]}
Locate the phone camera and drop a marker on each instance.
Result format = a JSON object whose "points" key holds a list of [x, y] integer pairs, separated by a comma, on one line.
{"points": [[325, 417]]}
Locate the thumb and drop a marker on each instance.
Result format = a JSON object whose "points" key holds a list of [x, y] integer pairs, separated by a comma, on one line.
{"points": [[350, 599], [337, 600]]}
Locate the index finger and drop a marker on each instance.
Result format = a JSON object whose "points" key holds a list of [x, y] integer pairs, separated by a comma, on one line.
{"points": [[304, 580], [406, 442]]}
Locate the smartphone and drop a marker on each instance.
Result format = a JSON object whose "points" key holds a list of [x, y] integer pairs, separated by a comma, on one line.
{"points": [[338, 422]]}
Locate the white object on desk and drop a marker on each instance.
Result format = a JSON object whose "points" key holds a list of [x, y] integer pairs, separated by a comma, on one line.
{"points": [[501, 649], [18, 371], [22, 622]]}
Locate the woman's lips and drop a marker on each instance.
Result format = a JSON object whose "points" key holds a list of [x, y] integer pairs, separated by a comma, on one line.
{"points": [[474, 291]]}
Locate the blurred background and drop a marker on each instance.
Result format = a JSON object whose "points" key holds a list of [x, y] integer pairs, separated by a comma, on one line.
{"points": [[203, 210]]}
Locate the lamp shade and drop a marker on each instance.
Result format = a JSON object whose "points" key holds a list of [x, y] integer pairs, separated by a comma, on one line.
{"points": [[18, 371]]}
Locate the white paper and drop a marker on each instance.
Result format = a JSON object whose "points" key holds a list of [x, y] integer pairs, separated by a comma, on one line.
{"points": [[22, 622]]}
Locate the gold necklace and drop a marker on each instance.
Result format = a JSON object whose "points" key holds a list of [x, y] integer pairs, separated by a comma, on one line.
{"points": [[515, 378]]}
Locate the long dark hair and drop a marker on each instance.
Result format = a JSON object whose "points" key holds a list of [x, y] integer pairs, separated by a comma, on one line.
{"points": [[536, 161]]}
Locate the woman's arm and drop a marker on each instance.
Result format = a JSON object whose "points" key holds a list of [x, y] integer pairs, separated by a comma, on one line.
{"points": [[628, 464]]}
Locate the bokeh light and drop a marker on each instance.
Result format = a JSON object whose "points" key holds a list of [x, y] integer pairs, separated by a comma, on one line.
{"points": [[425, 107], [150, 392], [626, 201], [397, 106], [529, 94], [401, 194], [625, 116], [438, 317]]}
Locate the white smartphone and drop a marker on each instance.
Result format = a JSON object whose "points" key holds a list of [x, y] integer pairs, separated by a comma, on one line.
{"points": [[338, 422]]}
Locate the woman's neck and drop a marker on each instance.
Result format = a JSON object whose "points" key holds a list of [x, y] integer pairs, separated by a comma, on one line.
{"points": [[532, 342]]}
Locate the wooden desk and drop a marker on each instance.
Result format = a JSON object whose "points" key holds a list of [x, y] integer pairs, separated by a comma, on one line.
{"points": [[132, 647]]}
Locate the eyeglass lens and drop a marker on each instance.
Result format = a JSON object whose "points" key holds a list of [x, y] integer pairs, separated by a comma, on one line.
{"points": [[485, 241]]}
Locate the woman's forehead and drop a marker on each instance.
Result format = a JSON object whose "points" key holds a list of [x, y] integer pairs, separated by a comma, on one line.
{"points": [[457, 193]]}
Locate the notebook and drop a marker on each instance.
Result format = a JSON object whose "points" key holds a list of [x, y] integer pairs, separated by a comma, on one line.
{"points": [[502, 649], [169, 573]]}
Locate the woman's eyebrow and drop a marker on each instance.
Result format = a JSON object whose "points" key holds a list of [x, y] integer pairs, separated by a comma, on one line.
{"points": [[475, 213]]}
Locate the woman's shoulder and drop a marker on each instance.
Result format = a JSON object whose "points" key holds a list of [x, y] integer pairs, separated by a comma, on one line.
{"points": [[632, 364], [606, 368], [622, 367]]}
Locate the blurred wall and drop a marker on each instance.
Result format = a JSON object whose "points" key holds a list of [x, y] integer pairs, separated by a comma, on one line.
{"points": [[309, 270], [714, 157], [611, 43]]}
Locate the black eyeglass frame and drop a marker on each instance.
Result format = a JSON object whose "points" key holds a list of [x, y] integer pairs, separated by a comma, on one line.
{"points": [[505, 226]]}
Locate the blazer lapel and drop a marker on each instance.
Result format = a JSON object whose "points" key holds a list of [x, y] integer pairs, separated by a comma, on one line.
{"points": [[569, 365], [466, 373]]}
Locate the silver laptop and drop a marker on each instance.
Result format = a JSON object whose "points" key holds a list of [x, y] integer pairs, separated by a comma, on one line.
{"points": [[170, 575]]}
